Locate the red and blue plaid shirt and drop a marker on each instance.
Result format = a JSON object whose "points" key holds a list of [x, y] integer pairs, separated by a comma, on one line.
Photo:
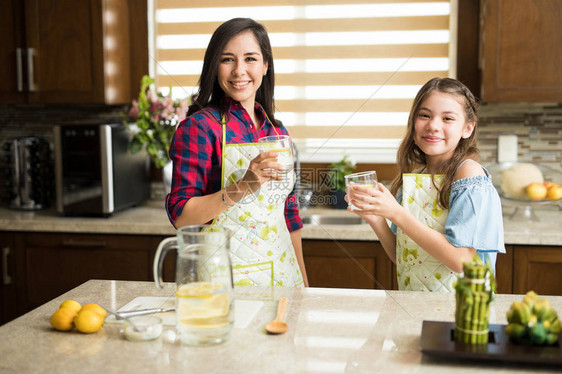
{"points": [[196, 151]]}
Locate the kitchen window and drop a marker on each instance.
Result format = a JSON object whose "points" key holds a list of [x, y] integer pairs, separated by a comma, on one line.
{"points": [[346, 70]]}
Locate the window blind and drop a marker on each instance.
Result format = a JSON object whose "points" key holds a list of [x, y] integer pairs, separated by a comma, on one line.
{"points": [[346, 70]]}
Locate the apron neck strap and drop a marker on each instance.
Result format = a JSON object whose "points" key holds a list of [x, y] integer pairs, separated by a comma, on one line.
{"points": [[268, 120], [223, 123]]}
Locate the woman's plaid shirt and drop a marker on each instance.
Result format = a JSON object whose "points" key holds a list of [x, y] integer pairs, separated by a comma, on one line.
{"points": [[196, 151]]}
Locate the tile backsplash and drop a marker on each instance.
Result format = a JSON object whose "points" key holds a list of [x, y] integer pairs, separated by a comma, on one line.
{"points": [[538, 127], [37, 119]]}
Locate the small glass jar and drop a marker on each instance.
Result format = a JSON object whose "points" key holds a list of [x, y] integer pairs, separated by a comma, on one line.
{"points": [[142, 328]]}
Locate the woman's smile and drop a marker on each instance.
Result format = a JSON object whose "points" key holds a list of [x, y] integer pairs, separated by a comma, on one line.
{"points": [[240, 85]]}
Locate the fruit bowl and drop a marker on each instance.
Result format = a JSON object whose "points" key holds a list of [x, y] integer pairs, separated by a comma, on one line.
{"points": [[524, 206]]}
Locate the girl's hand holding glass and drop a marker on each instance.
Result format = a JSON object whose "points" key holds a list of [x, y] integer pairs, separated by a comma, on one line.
{"points": [[364, 179], [377, 201]]}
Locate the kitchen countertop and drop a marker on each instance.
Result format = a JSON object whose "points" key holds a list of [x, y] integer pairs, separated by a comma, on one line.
{"points": [[330, 331], [150, 219]]}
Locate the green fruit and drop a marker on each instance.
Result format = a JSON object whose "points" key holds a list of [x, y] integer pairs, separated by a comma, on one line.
{"points": [[537, 334], [543, 310], [515, 330], [509, 315], [521, 313], [551, 339], [555, 326], [532, 320]]}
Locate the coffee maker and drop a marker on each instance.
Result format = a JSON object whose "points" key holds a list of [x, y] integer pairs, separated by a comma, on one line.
{"points": [[28, 173]]}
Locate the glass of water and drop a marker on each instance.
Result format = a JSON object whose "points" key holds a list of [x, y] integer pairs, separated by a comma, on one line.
{"points": [[363, 179], [282, 145]]}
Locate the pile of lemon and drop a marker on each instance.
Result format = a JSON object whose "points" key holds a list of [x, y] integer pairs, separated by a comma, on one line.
{"points": [[87, 319]]}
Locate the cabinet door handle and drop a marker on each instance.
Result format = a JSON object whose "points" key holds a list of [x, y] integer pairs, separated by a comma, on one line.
{"points": [[31, 80], [83, 243], [6, 279], [19, 68]]}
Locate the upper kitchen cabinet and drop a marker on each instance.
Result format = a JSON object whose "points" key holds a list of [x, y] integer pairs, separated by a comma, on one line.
{"points": [[65, 51], [521, 50]]}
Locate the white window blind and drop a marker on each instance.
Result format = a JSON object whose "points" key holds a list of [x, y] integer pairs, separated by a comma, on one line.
{"points": [[346, 71]]}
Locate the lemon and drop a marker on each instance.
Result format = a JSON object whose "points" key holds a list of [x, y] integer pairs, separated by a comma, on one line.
{"points": [[72, 305], [62, 319], [88, 321], [95, 308]]}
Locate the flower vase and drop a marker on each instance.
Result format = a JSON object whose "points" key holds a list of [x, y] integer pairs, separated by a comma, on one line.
{"points": [[167, 176]]}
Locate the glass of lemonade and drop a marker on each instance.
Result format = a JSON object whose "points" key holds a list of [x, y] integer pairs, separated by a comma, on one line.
{"points": [[281, 144], [364, 179], [204, 288]]}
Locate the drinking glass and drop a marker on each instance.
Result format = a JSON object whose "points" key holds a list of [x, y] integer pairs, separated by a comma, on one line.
{"points": [[204, 289], [281, 144], [364, 179]]}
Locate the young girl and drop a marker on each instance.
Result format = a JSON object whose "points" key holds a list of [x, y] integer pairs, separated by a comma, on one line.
{"points": [[219, 174], [446, 208]]}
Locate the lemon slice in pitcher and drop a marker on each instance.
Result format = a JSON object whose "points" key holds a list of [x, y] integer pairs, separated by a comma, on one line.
{"points": [[198, 289], [201, 306]]}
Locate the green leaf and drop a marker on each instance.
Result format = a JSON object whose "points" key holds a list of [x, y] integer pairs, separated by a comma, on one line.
{"points": [[152, 149], [142, 124], [135, 146]]}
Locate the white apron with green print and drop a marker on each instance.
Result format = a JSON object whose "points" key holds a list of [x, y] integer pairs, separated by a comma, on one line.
{"points": [[416, 269], [261, 249]]}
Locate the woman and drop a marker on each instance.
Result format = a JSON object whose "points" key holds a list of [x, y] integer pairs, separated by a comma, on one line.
{"points": [[219, 173]]}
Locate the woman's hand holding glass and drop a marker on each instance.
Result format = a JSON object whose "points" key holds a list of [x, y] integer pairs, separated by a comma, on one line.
{"points": [[282, 146], [264, 167]]}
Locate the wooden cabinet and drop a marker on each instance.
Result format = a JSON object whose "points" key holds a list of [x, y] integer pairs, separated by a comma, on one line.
{"points": [[537, 268], [504, 271], [8, 290], [65, 51], [347, 264], [11, 52], [521, 50], [52, 264]]}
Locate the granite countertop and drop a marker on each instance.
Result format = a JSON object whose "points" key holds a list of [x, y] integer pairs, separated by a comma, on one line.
{"points": [[150, 219], [330, 331]]}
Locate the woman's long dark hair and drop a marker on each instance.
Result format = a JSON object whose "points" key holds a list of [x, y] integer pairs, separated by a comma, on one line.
{"points": [[210, 93], [411, 157]]}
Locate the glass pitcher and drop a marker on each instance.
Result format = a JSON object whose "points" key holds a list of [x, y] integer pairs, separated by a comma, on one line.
{"points": [[204, 288]]}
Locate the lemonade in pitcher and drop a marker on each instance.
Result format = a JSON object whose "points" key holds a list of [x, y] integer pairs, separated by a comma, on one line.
{"points": [[204, 312]]}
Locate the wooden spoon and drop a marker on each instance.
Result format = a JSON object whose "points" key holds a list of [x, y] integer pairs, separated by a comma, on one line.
{"points": [[278, 326]]}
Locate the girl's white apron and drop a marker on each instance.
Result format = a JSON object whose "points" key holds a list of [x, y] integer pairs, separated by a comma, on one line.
{"points": [[416, 269]]}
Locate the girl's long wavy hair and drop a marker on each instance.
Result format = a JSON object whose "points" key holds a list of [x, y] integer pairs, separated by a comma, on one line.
{"points": [[411, 158], [210, 93]]}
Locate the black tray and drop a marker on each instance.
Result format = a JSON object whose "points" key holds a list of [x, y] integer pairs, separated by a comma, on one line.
{"points": [[437, 340]]}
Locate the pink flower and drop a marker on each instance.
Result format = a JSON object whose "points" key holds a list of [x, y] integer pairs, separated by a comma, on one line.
{"points": [[134, 111]]}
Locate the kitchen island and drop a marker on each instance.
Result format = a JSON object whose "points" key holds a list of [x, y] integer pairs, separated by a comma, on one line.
{"points": [[45, 254], [330, 331]]}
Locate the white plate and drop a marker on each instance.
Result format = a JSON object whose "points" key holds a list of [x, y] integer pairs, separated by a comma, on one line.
{"points": [[244, 310]]}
